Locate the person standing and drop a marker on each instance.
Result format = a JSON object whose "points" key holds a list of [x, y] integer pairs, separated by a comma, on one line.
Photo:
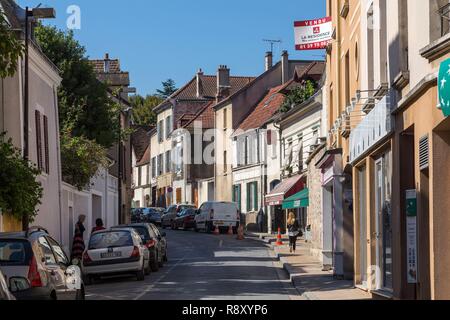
{"points": [[78, 239], [293, 230], [260, 220], [98, 226]]}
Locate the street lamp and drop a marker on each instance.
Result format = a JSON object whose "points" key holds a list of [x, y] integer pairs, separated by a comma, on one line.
{"points": [[36, 13]]}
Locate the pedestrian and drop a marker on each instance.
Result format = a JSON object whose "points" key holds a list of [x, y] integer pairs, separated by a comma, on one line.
{"points": [[78, 239], [98, 226], [294, 231], [260, 220]]}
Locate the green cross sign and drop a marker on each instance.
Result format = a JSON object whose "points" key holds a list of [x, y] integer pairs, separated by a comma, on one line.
{"points": [[444, 87]]}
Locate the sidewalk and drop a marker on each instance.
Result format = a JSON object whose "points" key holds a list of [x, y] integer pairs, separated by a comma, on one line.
{"points": [[306, 272]]}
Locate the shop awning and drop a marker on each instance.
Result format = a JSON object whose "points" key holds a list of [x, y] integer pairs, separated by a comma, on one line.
{"points": [[298, 200], [285, 189]]}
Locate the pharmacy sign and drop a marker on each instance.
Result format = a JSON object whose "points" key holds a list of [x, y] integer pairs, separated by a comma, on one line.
{"points": [[444, 87]]}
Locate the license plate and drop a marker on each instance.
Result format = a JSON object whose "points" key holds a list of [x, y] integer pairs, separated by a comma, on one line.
{"points": [[219, 223], [110, 255]]}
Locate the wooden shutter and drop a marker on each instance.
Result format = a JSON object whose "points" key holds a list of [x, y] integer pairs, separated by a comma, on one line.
{"points": [[37, 115], [239, 198], [255, 193], [46, 146], [248, 197]]}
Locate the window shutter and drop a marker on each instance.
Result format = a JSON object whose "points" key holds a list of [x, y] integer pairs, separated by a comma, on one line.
{"points": [[46, 146], [234, 193], [255, 193], [38, 139], [248, 197], [269, 137], [424, 153], [239, 198]]}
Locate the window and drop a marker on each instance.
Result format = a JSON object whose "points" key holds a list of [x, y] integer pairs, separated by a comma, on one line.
{"points": [[168, 127], [439, 19], [148, 174], [225, 162], [40, 161], [160, 164], [252, 196], [153, 167], [274, 140], [168, 162], [347, 79], [59, 253], [46, 251], [139, 176], [160, 129], [237, 196], [225, 120]]}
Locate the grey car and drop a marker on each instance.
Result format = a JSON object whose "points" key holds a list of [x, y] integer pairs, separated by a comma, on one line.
{"points": [[34, 255]]}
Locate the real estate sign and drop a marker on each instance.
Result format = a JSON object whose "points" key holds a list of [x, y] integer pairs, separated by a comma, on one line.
{"points": [[313, 34], [444, 87]]}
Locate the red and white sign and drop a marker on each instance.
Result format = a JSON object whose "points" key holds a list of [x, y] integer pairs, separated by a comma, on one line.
{"points": [[313, 34]]}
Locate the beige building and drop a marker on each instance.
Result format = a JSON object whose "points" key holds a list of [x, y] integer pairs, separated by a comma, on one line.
{"points": [[43, 134]]}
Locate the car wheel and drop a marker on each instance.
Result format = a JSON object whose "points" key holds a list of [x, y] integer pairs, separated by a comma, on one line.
{"points": [[80, 294], [88, 280], [140, 275], [148, 269], [155, 264]]}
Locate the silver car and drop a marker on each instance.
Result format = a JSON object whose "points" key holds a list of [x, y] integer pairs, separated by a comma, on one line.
{"points": [[4, 291], [113, 252]]}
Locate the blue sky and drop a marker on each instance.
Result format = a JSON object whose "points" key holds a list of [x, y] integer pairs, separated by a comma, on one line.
{"points": [[160, 39]]}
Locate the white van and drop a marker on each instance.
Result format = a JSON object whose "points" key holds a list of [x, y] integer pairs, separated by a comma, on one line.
{"points": [[217, 214]]}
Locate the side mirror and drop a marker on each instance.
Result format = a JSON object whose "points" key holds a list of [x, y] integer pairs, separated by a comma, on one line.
{"points": [[19, 284]]}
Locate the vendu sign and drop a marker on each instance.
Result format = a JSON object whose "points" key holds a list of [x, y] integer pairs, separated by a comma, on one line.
{"points": [[313, 34]]}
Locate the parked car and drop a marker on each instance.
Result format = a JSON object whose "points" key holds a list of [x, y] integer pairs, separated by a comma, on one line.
{"points": [[115, 251], [5, 294], [171, 213], [217, 214], [185, 219], [152, 215], [136, 215], [154, 241], [35, 256]]}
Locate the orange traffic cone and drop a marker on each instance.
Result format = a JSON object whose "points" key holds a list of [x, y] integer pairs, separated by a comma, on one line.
{"points": [[240, 233], [279, 241], [230, 230], [216, 231]]}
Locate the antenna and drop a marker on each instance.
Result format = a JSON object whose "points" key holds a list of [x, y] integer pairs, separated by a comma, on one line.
{"points": [[272, 42]]}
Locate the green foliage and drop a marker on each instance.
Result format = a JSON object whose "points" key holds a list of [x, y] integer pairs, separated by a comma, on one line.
{"points": [[85, 109], [299, 95], [168, 89], [81, 158], [20, 192], [11, 49], [143, 113]]}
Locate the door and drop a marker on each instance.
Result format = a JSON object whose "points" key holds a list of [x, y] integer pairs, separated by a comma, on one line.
{"points": [[383, 224], [363, 239]]}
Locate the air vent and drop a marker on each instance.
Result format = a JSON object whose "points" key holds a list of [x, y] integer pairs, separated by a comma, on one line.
{"points": [[424, 153]]}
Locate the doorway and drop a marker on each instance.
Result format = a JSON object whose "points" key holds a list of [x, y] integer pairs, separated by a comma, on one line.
{"points": [[363, 237]]}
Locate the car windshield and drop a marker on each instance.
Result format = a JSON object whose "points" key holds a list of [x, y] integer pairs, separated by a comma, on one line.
{"points": [[14, 252], [184, 207], [150, 212], [111, 239], [143, 232]]}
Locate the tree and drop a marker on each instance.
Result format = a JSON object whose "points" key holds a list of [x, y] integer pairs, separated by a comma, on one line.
{"points": [[143, 113], [82, 158], [20, 192], [11, 48], [168, 89], [298, 95], [84, 104]]}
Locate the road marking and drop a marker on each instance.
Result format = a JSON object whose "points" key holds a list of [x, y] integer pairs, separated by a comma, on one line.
{"points": [[146, 291]]}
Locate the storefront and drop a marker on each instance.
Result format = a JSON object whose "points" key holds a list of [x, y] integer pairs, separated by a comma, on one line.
{"points": [[299, 203], [274, 200]]}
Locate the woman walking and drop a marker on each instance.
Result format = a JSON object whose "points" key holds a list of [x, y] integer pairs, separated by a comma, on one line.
{"points": [[78, 240], [294, 230]]}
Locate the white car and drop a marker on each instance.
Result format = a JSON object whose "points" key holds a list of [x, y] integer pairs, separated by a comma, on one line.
{"points": [[118, 251], [217, 214], [4, 291]]}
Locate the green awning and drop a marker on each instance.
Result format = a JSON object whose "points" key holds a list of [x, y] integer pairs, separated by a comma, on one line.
{"points": [[298, 200]]}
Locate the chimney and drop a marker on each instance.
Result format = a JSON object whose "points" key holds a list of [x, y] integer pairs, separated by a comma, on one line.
{"points": [[223, 83], [199, 83], [269, 60], [284, 67], [106, 63]]}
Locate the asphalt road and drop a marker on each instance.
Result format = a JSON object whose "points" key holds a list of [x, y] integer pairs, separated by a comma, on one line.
{"points": [[204, 267]]}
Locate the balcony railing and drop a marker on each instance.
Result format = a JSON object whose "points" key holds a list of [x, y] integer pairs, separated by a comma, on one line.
{"points": [[444, 12]]}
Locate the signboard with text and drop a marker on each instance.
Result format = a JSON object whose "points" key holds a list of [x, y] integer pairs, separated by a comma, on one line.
{"points": [[444, 87], [411, 235], [313, 34]]}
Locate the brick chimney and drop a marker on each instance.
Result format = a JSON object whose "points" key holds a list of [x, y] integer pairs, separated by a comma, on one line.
{"points": [[284, 67], [199, 83], [269, 60], [223, 83], [106, 63]]}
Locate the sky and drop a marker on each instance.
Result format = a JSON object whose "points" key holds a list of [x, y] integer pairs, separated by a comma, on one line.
{"points": [[160, 39]]}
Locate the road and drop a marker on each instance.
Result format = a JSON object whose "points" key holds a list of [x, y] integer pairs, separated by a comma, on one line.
{"points": [[204, 267]]}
